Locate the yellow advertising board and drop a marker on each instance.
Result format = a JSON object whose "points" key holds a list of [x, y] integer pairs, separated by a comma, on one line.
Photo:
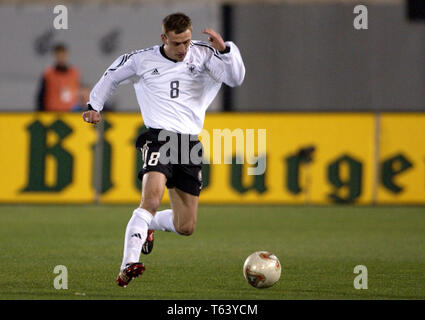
{"points": [[45, 158], [289, 179], [402, 154], [319, 158]]}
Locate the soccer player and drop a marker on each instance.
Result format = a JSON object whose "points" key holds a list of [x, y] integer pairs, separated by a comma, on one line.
{"points": [[174, 83]]}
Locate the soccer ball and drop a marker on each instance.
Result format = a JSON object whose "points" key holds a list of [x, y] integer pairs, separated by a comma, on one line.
{"points": [[262, 269]]}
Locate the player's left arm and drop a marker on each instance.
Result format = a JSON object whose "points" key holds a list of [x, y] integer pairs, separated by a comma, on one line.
{"points": [[226, 65]]}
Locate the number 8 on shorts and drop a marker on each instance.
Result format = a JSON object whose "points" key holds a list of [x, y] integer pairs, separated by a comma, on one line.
{"points": [[154, 158]]}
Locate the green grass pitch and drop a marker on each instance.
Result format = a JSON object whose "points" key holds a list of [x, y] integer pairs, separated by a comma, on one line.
{"points": [[318, 248]]}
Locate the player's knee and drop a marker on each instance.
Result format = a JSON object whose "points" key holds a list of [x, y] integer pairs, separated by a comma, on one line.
{"points": [[187, 229]]}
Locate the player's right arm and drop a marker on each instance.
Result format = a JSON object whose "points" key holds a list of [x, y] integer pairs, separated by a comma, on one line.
{"points": [[120, 70]]}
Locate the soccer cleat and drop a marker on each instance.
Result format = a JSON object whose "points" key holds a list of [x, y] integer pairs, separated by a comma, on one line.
{"points": [[132, 271], [148, 245]]}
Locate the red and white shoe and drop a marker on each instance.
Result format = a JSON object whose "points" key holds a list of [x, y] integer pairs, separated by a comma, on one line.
{"points": [[132, 271], [148, 245]]}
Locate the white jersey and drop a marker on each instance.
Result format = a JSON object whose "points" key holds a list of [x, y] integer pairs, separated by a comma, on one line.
{"points": [[173, 95]]}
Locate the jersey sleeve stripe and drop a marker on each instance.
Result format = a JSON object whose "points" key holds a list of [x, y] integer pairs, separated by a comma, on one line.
{"points": [[209, 47], [127, 56]]}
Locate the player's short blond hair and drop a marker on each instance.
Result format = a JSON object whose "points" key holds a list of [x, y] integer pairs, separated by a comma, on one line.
{"points": [[177, 22]]}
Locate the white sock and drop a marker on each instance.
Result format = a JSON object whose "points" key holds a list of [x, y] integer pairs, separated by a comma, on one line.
{"points": [[135, 235], [163, 220]]}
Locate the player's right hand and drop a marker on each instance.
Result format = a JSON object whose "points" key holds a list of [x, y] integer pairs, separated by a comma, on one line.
{"points": [[91, 116]]}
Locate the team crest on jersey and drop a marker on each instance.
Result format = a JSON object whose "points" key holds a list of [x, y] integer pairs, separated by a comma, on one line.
{"points": [[191, 67]]}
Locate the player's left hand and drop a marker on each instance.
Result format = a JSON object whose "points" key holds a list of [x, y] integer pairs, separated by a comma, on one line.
{"points": [[215, 39]]}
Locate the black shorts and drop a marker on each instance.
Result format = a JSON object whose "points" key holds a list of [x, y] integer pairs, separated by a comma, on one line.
{"points": [[178, 157]]}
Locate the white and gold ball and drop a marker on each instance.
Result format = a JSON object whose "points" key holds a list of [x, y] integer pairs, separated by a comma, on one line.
{"points": [[262, 269]]}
